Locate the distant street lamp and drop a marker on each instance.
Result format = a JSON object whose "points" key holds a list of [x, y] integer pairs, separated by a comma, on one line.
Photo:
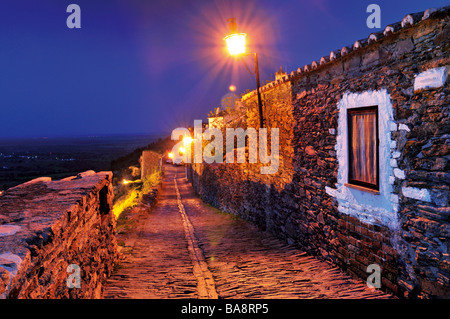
{"points": [[187, 140], [236, 46]]}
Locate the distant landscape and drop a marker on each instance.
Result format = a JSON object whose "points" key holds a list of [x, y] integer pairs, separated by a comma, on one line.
{"points": [[24, 159]]}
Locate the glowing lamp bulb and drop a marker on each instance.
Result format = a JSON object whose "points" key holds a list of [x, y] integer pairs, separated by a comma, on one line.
{"points": [[236, 43], [187, 140], [182, 150], [170, 155]]}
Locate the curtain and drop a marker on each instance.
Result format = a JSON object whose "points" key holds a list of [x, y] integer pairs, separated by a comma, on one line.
{"points": [[363, 139]]}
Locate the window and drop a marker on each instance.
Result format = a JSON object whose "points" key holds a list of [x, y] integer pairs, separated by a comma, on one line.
{"points": [[366, 203], [363, 147]]}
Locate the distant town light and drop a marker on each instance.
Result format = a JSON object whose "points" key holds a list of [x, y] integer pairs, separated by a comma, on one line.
{"points": [[125, 182]]}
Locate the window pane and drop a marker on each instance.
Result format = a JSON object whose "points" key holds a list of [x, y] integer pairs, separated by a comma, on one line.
{"points": [[363, 147]]}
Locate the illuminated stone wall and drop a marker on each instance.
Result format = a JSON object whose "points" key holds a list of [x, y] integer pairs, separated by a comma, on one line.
{"points": [[150, 163], [50, 230], [405, 228]]}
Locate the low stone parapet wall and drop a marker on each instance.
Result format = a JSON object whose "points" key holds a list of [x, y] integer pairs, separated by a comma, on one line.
{"points": [[57, 238]]}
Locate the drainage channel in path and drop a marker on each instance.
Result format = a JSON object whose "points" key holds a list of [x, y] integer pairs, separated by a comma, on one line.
{"points": [[206, 287]]}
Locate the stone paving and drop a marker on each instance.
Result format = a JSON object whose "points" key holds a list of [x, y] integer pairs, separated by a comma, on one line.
{"points": [[188, 249]]}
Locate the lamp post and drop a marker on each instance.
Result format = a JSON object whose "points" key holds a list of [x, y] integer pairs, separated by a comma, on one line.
{"points": [[187, 141], [236, 46]]}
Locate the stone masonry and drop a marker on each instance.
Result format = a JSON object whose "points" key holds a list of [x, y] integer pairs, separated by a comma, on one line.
{"points": [[50, 230], [403, 228], [150, 162]]}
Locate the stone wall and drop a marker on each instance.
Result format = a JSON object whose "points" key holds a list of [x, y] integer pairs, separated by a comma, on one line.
{"points": [[150, 162], [50, 231], [404, 227]]}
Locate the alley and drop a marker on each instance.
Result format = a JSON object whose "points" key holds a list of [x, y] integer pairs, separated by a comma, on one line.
{"points": [[188, 249]]}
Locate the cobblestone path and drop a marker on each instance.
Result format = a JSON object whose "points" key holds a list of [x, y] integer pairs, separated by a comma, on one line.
{"points": [[187, 249]]}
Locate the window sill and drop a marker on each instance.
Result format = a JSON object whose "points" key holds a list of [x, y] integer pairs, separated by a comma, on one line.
{"points": [[364, 189]]}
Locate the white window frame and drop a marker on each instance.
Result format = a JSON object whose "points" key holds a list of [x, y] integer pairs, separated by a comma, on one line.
{"points": [[374, 207]]}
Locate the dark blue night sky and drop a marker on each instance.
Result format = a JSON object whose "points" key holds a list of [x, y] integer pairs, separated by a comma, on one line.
{"points": [[140, 66]]}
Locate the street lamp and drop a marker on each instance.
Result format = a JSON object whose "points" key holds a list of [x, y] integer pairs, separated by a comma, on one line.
{"points": [[187, 140], [236, 43], [236, 46]]}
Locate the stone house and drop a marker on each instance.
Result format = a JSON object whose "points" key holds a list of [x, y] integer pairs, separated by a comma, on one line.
{"points": [[364, 158]]}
